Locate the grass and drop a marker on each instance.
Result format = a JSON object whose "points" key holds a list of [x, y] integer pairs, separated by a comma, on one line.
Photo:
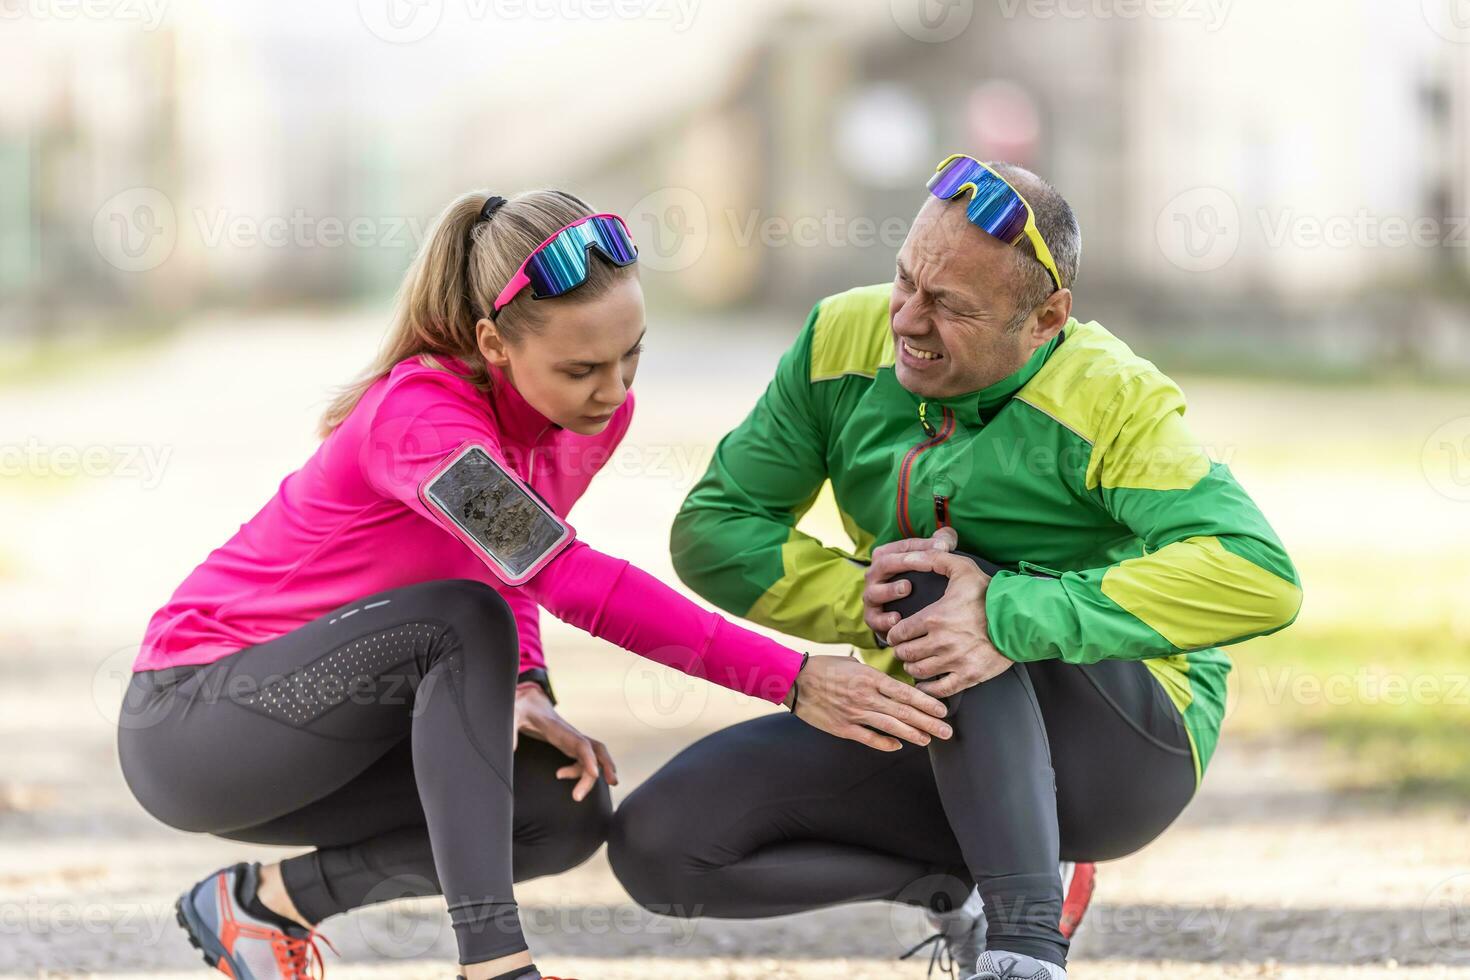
{"points": [[1396, 703], [41, 363]]}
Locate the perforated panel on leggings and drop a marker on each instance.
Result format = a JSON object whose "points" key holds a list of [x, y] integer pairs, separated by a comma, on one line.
{"points": [[350, 671]]}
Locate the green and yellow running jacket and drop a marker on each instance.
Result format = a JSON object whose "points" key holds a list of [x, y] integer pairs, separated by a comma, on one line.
{"points": [[1078, 471]]}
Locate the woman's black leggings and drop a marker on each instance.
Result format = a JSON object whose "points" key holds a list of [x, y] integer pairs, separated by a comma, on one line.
{"points": [[379, 733], [1048, 761]]}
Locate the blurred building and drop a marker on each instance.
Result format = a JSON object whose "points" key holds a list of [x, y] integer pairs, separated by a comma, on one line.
{"points": [[1290, 183], [1253, 179]]}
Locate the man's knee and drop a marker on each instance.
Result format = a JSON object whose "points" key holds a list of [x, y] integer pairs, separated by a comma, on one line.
{"points": [[642, 848], [928, 587]]}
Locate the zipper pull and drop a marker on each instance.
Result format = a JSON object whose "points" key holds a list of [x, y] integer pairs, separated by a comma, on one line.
{"points": [[941, 511], [942, 490], [924, 419]]}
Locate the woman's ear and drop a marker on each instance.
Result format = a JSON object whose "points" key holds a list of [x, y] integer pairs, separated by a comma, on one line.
{"points": [[492, 345]]}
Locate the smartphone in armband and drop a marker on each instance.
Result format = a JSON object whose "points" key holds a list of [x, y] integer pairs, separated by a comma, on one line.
{"points": [[495, 514]]}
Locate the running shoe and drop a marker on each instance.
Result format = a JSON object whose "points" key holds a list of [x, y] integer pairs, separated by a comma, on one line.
{"points": [[1078, 881], [995, 965], [532, 976], [214, 915], [960, 935]]}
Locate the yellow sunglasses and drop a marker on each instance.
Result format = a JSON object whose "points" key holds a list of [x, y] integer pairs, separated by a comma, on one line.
{"points": [[995, 207]]}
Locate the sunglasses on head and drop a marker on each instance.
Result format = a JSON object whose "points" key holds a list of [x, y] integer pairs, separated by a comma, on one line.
{"points": [[561, 263], [995, 207]]}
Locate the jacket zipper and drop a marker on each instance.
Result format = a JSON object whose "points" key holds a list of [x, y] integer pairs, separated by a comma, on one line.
{"points": [[946, 429], [941, 511], [531, 457]]}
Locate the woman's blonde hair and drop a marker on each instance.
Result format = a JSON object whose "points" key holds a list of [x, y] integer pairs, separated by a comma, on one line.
{"points": [[455, 278]]}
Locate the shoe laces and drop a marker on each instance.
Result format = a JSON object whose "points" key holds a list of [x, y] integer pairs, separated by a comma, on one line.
{"points": [[299, 957], [1007, 965], [940, 956]]}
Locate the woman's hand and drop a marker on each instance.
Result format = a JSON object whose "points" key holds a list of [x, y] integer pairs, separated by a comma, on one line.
{"points": [[845, 697], [537, 718]]}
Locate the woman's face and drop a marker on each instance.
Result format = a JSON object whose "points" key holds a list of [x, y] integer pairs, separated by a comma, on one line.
{"points": [[577, 368]]}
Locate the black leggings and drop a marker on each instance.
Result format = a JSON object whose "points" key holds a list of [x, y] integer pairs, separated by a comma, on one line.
{"points": [[381, 734], [1048, 761]]}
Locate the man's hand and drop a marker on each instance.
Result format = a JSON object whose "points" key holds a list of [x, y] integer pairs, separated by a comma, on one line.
{"points": [[887, 562], [536, 717], [951, 636]]}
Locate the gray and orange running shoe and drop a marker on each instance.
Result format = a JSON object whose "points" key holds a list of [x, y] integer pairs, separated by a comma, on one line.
{"points": [[215, 915]]}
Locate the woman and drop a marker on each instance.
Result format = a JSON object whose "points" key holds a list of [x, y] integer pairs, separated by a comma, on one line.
{"points": [[351, 669]]}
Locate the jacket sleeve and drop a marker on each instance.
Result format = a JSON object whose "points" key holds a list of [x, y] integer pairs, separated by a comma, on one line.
{"points": [[527, 612], [423, 420], [1212, 571], [735, 540], [528, 627]]}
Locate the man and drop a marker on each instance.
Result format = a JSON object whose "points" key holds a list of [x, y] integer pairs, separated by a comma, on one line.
{"points": [[964, 418]]}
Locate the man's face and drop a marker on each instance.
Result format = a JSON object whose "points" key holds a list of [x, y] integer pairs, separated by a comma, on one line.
{"points": [[953, 297]]}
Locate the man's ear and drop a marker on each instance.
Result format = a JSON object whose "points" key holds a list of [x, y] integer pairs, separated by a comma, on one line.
{"points": [[492, 345], [1051, 317]]}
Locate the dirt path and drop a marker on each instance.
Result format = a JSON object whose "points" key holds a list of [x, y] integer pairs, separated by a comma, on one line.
{"points": [[1268, 874]]}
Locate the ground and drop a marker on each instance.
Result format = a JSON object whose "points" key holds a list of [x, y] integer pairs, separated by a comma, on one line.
{"points": [[1292, 862]]}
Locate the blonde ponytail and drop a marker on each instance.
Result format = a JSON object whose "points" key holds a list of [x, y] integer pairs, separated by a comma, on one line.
{"points": [[454, 280]]}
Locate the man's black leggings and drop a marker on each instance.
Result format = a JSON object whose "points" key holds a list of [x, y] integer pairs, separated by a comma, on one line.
{"points": [[1048, 761], [380, 734]]}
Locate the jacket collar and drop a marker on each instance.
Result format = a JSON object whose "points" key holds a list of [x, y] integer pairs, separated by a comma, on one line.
{"points": [[518, 423], [979, 407]]}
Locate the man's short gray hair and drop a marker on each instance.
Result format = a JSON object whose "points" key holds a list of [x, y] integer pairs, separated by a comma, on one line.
{"points": [[1058, 227]]}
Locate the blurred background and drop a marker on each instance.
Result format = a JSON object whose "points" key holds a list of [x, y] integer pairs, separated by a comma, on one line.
{"points": [[205, 210]]}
